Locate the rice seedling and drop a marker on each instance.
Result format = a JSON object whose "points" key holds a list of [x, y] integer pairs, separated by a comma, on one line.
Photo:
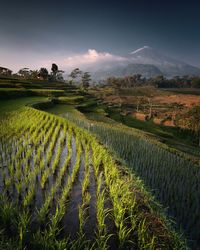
{"points": [[173, 179], [22, 224], [81, 214], [41, 171]]}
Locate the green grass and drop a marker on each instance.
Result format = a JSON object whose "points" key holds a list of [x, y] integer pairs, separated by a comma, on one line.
{"points": [[171, 136], [40, 227], [151, 127], [70, 99], [62, 109], [141, 152], [87, 106], [161, 167], [7, 106], [174, 137], [10, 93], [99, 117]]}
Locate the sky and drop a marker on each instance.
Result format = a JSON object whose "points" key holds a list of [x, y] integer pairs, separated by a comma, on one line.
{"points": [[36, 33]]}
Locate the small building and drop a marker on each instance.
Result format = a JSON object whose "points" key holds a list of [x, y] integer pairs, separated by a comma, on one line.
{"points": [[5, 71]]}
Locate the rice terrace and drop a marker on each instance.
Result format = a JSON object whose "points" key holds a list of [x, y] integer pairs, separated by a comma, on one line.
{"points": [[73, 178], [99, 125]]}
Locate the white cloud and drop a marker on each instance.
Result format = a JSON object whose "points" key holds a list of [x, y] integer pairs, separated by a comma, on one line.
{"points": [[89, 58]]}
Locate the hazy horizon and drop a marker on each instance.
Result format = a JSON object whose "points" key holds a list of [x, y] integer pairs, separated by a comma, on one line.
{"points": [[35, 34]]}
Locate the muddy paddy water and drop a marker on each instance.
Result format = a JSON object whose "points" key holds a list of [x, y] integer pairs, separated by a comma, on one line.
{"points": [[22, 173]]}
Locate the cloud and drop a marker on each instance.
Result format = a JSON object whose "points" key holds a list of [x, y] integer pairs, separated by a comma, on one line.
{"points": [[91, 57], [92, 61]]}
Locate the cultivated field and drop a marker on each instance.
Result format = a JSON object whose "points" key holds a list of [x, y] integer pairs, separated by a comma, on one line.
{"points": [[60, 187], [172, 177], [63, 187]]}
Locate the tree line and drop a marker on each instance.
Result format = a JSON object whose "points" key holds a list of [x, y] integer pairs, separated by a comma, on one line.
{"points": [[157, 81], [42, 74], [77, 76]]}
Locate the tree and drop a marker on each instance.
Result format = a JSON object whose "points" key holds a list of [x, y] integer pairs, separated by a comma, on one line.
{"points": [[150, 107], [86, 78], [43, 73], [56, 74], [54, 68], [158, 81], [54, 71], [59, 76], [24, 73], [116, 83], [34, 74], [140, 101], [75, 74], [5, 71], [195, 82], [193, 121]]}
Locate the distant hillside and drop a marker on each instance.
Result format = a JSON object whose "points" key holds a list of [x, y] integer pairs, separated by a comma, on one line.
{"points": [[168, 66], [146, 70], [146, 61]]}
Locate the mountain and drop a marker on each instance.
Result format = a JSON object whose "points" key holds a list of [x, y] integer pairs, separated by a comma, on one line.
{"points": [[146, 61], [146, 70], [168, 66]]}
